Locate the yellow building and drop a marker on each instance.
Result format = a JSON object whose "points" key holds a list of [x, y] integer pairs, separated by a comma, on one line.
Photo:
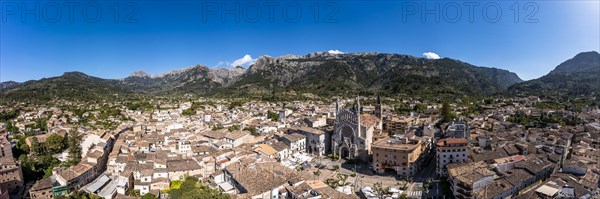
{"points": [[400, 154], [399, 124]]}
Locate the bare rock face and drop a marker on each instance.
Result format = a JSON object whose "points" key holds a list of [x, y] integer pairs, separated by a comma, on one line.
{"points": [[140, 73], [199, 79], [8, 85], [325, 72], [226, 75]]}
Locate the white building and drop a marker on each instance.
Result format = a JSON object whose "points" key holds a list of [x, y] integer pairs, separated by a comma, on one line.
{"points": [[297, 142], [451, 150], [317, 141]]}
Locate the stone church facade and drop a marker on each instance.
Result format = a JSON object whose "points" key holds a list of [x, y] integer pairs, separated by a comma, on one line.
{"points": [[353, 132]]}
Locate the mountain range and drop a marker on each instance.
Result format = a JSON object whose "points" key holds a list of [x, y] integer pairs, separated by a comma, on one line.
{"points": [[323, 74], [577, 76], [343, 74]]}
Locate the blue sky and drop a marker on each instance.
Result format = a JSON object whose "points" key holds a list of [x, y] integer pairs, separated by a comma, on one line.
{"points": [[168, 35]]}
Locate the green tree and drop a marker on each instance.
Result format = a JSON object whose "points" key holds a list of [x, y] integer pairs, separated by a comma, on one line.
{"points": [[234, 104], [74, 144], [188, 112], [234, 128], [10, 127], [192, 188], [149, 196], [272, 116], [447, 113], [8, 115], [28, 166], [79, 195], [402, 108], [20, 147], [488, 101], [197, 105], [133, 192], [42, 124], [175, 184], [419, 108], [35, 146], [140, 106], [252, 130], [217, 127], [54, 143]]}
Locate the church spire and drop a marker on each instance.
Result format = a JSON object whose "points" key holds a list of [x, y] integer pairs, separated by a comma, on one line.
{"points": [[358, 105], [337, 105], [358, 115], [378, 109]]}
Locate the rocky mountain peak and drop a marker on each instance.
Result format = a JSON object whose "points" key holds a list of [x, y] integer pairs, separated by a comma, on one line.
{"points": [[8, 84], [140, 73]]}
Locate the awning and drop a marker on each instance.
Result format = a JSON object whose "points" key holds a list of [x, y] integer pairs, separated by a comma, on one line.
{"points": [[226, 187], [96, 185]]}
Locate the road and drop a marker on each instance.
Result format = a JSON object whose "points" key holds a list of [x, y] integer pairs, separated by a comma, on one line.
{"points": [[415, 190], [364, 176]]}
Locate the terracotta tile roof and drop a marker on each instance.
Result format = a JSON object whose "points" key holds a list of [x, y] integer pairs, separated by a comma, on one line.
{"points": [[42, 184], [236, 135], [261, 177], [182, 165], [265, 148], [451, 141], [369, 120]]}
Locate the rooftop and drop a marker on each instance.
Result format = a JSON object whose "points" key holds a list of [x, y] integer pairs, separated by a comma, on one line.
{"points": [[266, 149], [449, 142], [469, 173], [404, 143], [369, 120], [236, 135]]}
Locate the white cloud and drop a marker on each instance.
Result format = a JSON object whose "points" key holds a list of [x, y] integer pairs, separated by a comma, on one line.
{"points": [[335, 52], [430, 55], [244, 61], [222, 64]]}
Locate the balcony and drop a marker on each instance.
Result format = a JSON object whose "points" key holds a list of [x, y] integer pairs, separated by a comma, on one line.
{"points": [[463, 186], [464, 193]]}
